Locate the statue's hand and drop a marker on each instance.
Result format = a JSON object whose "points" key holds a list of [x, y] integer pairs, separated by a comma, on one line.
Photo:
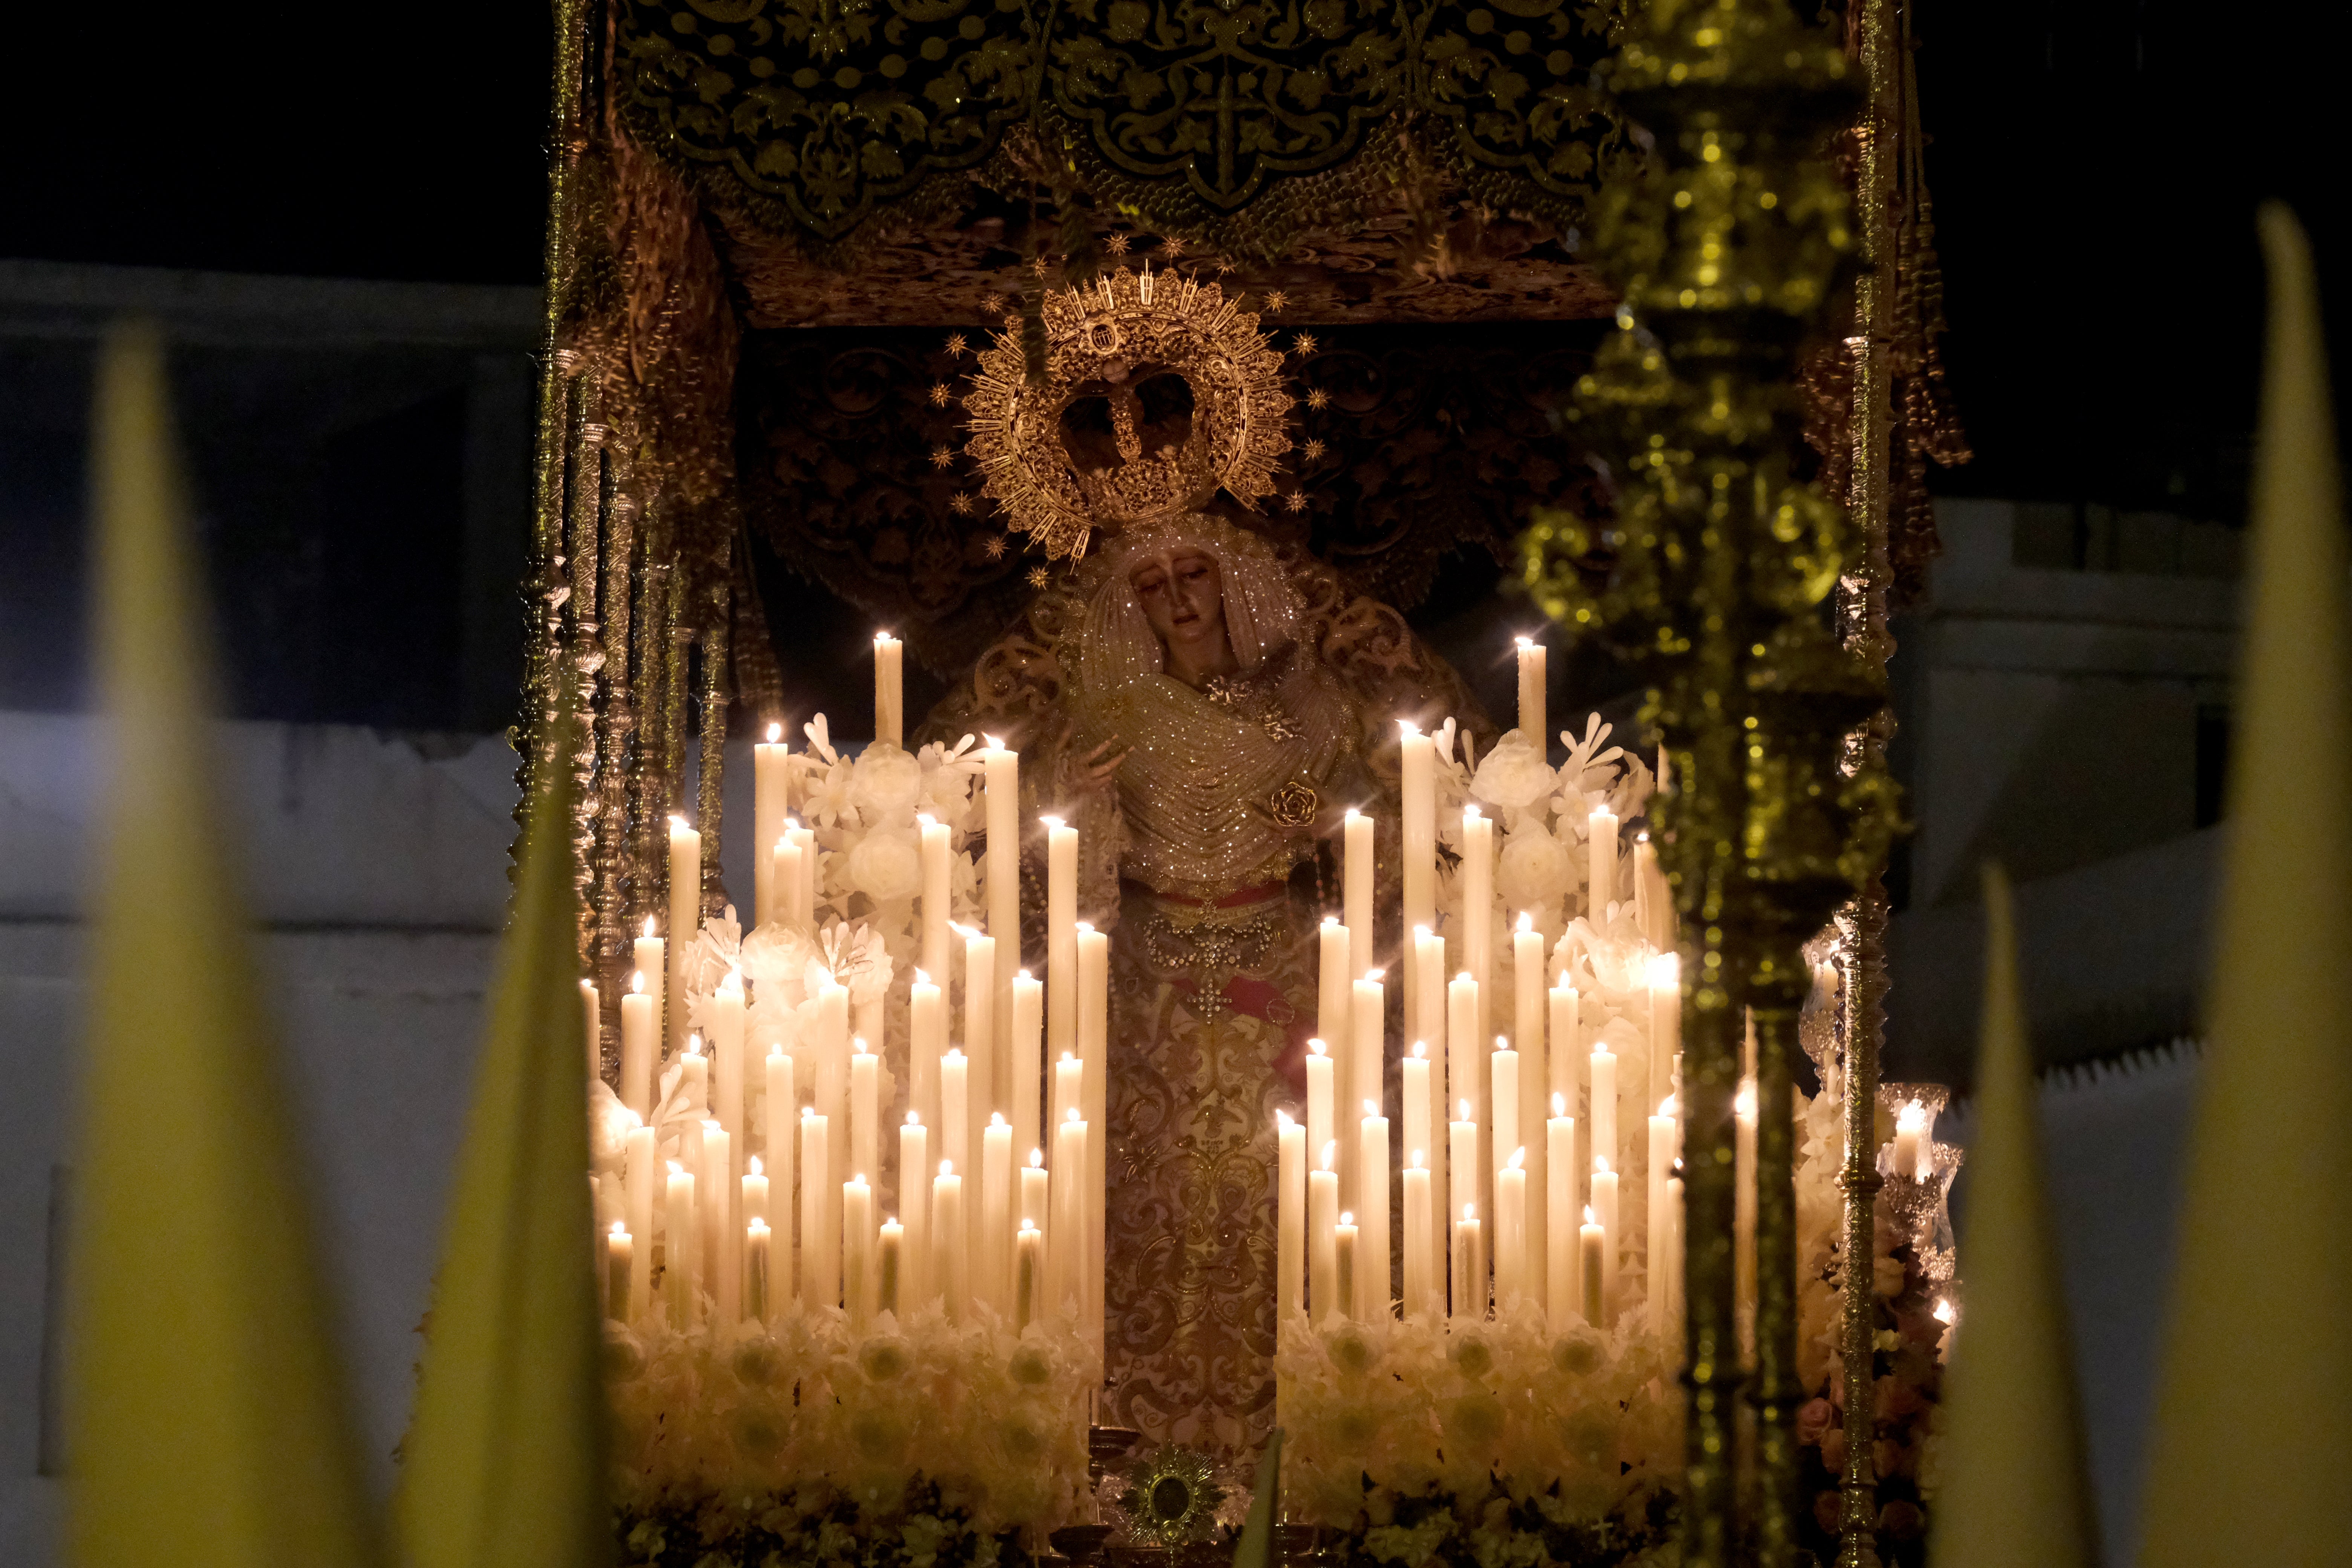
{"points": [[1098, 771]]}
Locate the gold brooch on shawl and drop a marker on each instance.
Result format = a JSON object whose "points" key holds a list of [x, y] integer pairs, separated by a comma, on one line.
{"points": [[1158, 390]]}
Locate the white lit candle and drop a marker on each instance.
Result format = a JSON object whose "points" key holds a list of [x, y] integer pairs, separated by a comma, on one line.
{"points": [[1094, 1049], [1462, 1157], [858, 1250], [1594, 1251], [889, 690], [771, 799], [592, 1017], [1061, 936], [1531, 1015], [782, 861], [1743, 1203], [1290, 1214], [1563, 1270], [950, 1245], [1335, 1001], [1469, 1267], [1372, 1202], [1503, 1129], [1420, 1135], [1478, 908], [722, 1274], [1418, 1289], [1674, 1266], [1066, 1254], [1036, 1208], [1417, 801], [1511, 1231], [1533, 728], [640, 1025], [819, 1242], [891, 1274], [1001, 773], [1348, 1289], [1355, 888], [1466, 1080], [757, 1308], [1910, 1135], [1601, 866], [678, 1226], [992, 1247], [931, 858], [685, 919], [1028, 1057], [755, 1190], [620, 1265], [1322, 1255], [1321, 1095], [1605, 1206], [915, 1287], [1028, 1269]]}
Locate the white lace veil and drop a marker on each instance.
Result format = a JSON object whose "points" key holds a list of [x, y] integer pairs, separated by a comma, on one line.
{"points": [[1116, 644]]}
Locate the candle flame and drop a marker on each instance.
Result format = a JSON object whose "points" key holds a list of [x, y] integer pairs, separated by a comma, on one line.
{"points": [[588, 986], [1315, 1048], [1464, 978], [858, 1180], [1470, 1213], [649, 925], [1376, 975], [1416, 1161], [1352, 814], [694, 1044], [775, 733], [1372, 1108], [1330, 1153], [1023, 974], [925, 819], [1667, 1107], [996, 1119], [1421, 1050], [710, 1124], [756, 1167], [1525, 642], [620, 1228], [676, 1169], [1913, 1118], [637, 982], [1518, 1159], [1559, 1105], [1028, 1224], [1526, 922], [883, 637], [1348, 1217], [1282, 1119], [1502, 1042], [676, 823], [1666, 972], [1465, 1113], [757, 1228], [1085, 928], [1073, 1116], [1588, 1214], [1471, 813], [1052, 822], [955, 1054], [808, 1113], [1944, 1312], [1407, 727], [1601, 1165], [1422, 933], [946, 1167], [914, 1119], [1036, 1159], [1744, 1105], [990, 742]]}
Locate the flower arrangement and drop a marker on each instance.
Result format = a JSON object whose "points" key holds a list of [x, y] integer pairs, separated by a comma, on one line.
{"points": [[803, 1438]]}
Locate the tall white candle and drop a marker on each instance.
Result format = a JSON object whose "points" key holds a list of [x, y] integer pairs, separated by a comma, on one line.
{"points": [[889, 690], [1001, 775], [1417, 801], [1462, 1159], [1465, 1082], [755, 1190], [613, 1280], [1605, 1206], [1603, 1114], [1028, 1059], [1061, 937], [1365, 1075], [678, 1226], [1502, 1131], [1373, 1203], [955, 1110], [640, 1023], [782, 861], [992, 1245], [1511, 1232], [722, 1268], [1028, 1270], [771, 799], [865, 1110], [1419, 1137], [1094, 1049], [1675, 1258], [1478, 910], [1036, 1208], [1322, 1246], [1743, 1206], [1066, 1249], [1418, 1290], [1592, 1255], [820, 1240], [1350, 1289], [1910, 1134], [1601, 864], [1533, 728], [1655, 1223], [694, 1081], [1645, 863], [1321, 1095], [931, 859], [858, 1250], [890, 1268], [643, 1176], [950, 1245], [1469, 1267], [685, 921], [1425, 996], [1531, 1013], [916, 1285], [726, 1059], [927, 1042], [1355, 888], [1563, 1287], [1290, 1214], [592, 1012], [987, 1081]]}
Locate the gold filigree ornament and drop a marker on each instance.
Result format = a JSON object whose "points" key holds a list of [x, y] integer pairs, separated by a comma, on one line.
{"points": [[1158, 390], [1171, 1497]]}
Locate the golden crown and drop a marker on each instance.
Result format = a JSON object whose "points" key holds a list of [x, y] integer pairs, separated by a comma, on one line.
{"points": [[1158, 390]]}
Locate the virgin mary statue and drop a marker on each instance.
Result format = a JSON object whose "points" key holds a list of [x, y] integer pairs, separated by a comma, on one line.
{"points": [[1203, 703]]}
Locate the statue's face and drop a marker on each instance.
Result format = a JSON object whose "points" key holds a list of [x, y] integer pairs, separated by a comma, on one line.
{"points": [[1183, 598]]}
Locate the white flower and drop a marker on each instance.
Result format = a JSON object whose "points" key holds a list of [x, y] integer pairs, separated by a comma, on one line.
{"points": [[1535, 869], [885, 866], [886, 781], [1514, 776]]}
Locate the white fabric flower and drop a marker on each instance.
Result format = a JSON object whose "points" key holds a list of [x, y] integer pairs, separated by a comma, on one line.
{"points": [[1514, 776], [886, 781], [1535, 869], [885, 866]]}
